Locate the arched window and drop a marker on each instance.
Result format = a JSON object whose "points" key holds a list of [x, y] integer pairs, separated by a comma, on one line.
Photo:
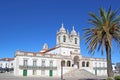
{"points": [[64, 38], [87, 64], [58, 38], [83, 64], [75, 40], [68, 63], [63, 63]]}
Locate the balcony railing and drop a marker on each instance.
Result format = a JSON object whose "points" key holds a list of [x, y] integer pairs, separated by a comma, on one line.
{"points": [[100, 68], [38, 67]]}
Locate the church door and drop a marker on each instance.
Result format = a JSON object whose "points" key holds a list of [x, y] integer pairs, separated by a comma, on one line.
{"points": [[51, 73], [24, 72], [76, 61]]}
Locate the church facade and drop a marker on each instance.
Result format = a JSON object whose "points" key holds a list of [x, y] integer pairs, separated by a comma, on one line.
{"points": [[61, 59]]}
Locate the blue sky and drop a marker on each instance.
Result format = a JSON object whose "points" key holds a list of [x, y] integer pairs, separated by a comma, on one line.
{"points": [[28, 24]]}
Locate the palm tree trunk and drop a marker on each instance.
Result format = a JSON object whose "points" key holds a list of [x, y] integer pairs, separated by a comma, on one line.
{"points": [[109, 62]]}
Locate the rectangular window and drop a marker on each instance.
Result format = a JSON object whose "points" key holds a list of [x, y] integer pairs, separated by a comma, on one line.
{"points": [[42, 72], [25, 63], [100, 71], [11, 64], [51, 63], [43, 62], [6, 65], [95, 64], [99, 64], [103, 64], [34, 72], [1, 65], [34, 62]]}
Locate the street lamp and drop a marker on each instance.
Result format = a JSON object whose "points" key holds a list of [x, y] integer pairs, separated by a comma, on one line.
{"points": [[62, 63], [61, 70]]}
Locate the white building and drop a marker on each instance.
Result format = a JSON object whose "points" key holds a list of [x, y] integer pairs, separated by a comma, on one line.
{"points": [[66, 53], [6, 64]]}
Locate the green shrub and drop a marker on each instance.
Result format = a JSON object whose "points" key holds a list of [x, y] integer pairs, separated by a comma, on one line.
{"points": [[117, 77]]}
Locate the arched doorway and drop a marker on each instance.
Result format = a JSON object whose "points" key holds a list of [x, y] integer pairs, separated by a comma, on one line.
{"points": [[87, 64], [83, 64], [68, 63], [76, 61]]}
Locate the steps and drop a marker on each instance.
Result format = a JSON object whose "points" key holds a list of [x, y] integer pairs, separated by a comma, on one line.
{"points": [[80, 74]]}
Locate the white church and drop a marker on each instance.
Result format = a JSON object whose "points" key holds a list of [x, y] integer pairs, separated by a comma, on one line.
{"points": [[61, 59]]}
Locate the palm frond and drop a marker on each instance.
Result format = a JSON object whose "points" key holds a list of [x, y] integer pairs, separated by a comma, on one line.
{"points": [[103, 14], [117, 19], [105, 28], [95, 17], [108, 14]]}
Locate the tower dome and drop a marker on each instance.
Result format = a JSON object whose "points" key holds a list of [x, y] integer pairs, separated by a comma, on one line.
{"points": [[73, 32], [45, 48], [62, 29]]}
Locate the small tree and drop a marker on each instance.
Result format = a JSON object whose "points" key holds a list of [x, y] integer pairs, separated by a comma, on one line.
{"points": [[105, 29]]}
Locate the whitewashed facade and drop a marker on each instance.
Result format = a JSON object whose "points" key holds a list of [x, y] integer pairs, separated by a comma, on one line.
{"points": [[48, 62], [6, 65]]}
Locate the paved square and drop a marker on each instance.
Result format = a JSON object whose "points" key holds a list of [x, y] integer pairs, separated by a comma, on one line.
{"points": [[10, 76]]}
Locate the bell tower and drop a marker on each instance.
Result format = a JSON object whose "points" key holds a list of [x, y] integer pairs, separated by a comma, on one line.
{"points": [[68, 43], [74, 38], [62, 36]]}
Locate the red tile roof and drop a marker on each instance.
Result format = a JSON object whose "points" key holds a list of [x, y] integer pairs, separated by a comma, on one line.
{"points": [[41, 52], [7, 59], [48, 50]]}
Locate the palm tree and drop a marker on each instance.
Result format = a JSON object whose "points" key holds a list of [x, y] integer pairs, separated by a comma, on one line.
{"points": [[104, 32]]}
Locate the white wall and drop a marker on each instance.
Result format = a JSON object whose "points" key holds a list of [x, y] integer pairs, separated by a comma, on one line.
{"points": [[100, 64], [20, 59], [7, 64]]}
